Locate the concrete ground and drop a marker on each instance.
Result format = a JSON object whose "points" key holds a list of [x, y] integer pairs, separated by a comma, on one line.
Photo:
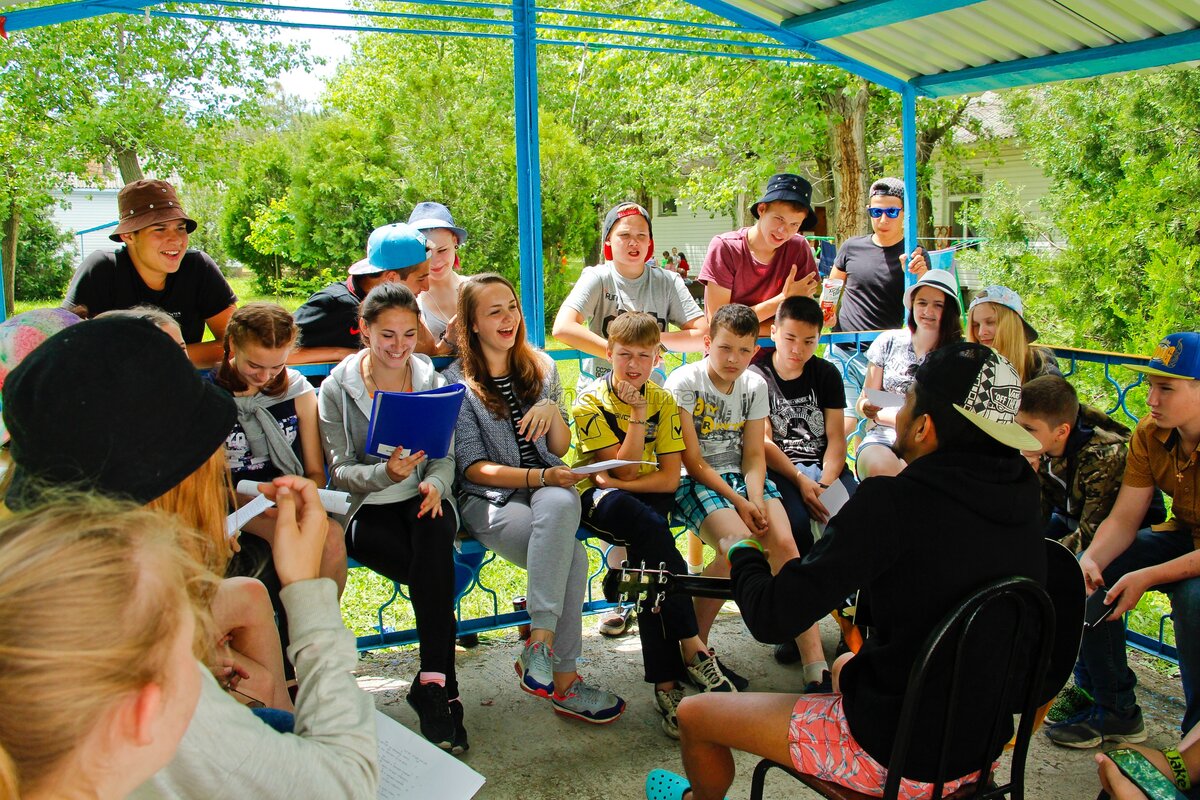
{"points": [[526, 752]]}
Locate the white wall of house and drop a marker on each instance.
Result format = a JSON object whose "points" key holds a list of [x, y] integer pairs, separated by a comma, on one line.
{"points": [[86, 208], [687, 228]]}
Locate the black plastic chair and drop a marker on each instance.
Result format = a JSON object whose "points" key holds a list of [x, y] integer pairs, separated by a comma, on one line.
{"points": [[1017, 618]]}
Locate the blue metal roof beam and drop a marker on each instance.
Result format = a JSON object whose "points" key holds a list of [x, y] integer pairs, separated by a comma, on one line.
{"points": [[280, 23], [67, 12], [708, 26], [356, 12], [863, 15], [642, 48], [1160, 51], [802, 43]]}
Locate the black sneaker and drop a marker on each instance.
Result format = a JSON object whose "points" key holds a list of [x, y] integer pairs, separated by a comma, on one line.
{"points": [[433, 710], [787, 653], [1096, 726], [460, 744], [739, 683]]}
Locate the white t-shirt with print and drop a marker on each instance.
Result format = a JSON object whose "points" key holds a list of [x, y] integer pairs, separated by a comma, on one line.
{"points": [[893, 352], [720, 418], [602, 294]]}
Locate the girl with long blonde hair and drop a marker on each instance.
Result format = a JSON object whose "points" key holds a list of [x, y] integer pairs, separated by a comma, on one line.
{"points": [[996, 318]]}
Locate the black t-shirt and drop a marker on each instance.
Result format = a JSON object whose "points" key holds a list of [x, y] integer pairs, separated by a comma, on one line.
{"points": [[242, 463], [529, 453], [873, 297], [798, 406], [330, 318], [196, 291]]}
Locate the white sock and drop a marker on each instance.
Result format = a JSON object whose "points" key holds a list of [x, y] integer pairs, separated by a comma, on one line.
{"points": [[815, 671]]}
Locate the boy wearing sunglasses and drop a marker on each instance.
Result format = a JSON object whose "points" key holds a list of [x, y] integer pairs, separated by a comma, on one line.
{"points": [[873, 297]]}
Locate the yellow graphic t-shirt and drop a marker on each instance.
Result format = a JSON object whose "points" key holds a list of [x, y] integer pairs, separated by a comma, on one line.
{"points": [[602, 420]]}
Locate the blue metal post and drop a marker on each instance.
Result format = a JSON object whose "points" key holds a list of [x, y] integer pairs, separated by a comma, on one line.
{"points": [[529, 173], [908, 103]]}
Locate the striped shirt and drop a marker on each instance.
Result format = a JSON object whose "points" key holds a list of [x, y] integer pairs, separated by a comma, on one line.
{"points": [[529, 454]]}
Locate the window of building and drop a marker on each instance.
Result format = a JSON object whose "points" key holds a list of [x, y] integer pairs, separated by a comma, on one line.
{"points": [[667, 207]]}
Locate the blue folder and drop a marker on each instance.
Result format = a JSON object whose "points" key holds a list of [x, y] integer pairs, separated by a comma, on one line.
{"points": [[414, 421]]}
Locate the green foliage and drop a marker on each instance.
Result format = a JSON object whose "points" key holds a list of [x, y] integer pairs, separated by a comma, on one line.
{"points": [[45, 258], [1122, 156]]}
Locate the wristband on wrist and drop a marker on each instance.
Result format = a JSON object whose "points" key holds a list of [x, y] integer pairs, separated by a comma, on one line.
{"points": [[636, 421], [743, 544], [527, 471], [542, 477], [823, 485], [1178, 769]]}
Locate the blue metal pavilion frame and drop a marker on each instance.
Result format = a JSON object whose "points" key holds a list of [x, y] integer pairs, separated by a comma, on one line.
{"points": [[794, 40], [770, 42]]}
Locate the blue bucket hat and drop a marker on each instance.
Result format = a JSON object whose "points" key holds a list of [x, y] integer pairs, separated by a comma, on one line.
{"points": [[1177, 356], [395, 246], [429, 215]]}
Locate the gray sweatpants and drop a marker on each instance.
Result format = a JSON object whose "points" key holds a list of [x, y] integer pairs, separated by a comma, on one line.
{"points": [[536, 530]]}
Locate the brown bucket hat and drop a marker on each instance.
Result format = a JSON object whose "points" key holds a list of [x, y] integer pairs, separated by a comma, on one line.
{"points": [[144, 203]]}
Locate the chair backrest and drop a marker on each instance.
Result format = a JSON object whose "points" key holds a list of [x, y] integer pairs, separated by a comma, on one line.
{"points": [[1065, 586], [986, 661]]}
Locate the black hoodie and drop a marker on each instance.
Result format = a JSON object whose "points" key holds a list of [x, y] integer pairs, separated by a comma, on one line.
{"points": [[917, 545]]}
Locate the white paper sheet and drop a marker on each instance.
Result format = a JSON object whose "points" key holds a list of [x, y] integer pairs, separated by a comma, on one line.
{"points": [[833, 499], [600, 466], [884, 399], [411, 768], [235, 521], [335, 502]]}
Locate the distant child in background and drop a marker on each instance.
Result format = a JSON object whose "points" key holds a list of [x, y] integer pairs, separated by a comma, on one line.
{"points": [[805, 449], [440, 301], [996, 318], [723, 411], [625, 416]]}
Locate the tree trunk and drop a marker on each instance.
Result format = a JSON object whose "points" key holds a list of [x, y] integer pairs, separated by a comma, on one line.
{"points": [[925, 188], [8, 251], [846, 122], [127, 162], [825, 172]]}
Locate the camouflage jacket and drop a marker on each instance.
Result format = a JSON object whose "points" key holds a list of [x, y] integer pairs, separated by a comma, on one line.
{"points": [[1083, 482]]}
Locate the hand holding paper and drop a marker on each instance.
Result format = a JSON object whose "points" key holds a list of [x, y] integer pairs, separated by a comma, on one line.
{"points": [[882, 399], [601, 466]]}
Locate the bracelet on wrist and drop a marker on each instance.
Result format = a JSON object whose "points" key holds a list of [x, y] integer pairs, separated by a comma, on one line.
{"points": [[742, 545], [542, 477], [528, 470], [1179, 772], [823, 485], [636, 421]]}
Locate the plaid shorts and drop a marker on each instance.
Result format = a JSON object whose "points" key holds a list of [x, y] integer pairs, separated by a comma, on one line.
{"points": [[822, 746], [694, 501]]}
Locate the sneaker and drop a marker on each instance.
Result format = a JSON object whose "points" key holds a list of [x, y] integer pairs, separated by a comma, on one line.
{"points": [[460, 744], [787, 653], [707, 675], [615, 621], [739, 683], [823, 686], [535, 668], [1096, 726], [668, 705], [588, 703], [1071, 702], [433, 711]]}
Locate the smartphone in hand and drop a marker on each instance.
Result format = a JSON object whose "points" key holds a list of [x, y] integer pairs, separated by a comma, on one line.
{"points": [[1144, 775], [1094, 611]]}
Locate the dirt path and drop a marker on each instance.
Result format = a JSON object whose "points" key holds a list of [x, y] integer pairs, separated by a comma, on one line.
{"points": [[526, 752]]}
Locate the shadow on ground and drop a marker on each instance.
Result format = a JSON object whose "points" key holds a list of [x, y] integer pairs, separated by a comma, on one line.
{"points": [[526, 752]]}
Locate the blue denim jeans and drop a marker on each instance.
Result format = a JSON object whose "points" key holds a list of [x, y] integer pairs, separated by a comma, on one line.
{"points": [[1103, 668]]}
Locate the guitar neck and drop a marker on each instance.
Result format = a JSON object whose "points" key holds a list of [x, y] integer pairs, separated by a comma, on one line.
{"points": [[702, 586]]}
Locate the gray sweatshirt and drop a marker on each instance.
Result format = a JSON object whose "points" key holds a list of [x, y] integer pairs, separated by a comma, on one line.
{"points": [[345, 414], [227, 752]]}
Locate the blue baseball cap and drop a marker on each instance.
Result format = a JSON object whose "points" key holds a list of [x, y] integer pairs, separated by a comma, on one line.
{"points": [[1177, 356], [395, 246]]}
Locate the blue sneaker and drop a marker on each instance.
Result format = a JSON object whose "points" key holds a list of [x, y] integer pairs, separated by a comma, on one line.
{"points": [[535, 668], [588, 704]]}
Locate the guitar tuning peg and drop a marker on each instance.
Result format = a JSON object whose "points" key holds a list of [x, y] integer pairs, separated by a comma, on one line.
{"points": [[658, 601]]}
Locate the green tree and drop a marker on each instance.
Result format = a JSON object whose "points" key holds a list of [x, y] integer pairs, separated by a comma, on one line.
{"points": [[45, 258]]}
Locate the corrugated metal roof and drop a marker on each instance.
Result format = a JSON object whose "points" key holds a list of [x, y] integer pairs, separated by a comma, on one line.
{"points": [[952, 46]]}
